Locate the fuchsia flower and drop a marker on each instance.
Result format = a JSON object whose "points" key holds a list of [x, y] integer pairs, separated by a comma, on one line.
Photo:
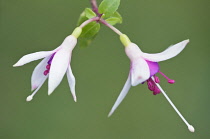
{"points": [[54, 65], [144, 67]]}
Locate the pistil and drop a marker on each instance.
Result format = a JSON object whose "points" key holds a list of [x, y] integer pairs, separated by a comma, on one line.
{"points": [[190, 127]]}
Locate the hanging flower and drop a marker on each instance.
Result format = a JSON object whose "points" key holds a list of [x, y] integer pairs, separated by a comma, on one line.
{"points": [[54, 65], [144, 67]]}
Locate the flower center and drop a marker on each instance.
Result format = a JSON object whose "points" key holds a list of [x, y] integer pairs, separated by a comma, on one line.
{"points": [[152, 84], [48, 65]]}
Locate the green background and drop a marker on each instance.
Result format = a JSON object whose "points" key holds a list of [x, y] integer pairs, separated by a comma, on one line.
{"points": [[101, 70]]}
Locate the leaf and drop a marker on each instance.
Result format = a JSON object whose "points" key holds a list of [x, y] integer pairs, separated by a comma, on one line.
{"points": [[108, 7], [117, 15], [82, 18], [89, 32], [84, 42], [113, 20], [89, 13], [90, 29]]}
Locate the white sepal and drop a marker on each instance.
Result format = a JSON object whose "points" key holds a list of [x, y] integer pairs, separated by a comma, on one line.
{"points": [[122, 95], [32, 57], [72, 82], [170, 52], [139, 71], [58, 68]]}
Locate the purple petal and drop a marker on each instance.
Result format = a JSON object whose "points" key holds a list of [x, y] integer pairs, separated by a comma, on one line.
{"points": [[153, 67]]}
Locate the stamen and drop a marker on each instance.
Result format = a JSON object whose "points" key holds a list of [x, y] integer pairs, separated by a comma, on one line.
{"points": [[156, 90], [169, 80], [190, 127], [48, 66], [46, 72], [150, 85], [157, 80]]}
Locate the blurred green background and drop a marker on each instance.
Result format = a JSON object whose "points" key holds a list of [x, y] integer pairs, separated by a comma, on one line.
{"points": [[101, 71]]}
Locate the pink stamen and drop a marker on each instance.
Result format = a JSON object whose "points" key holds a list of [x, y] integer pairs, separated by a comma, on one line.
{"points": [[150, 85], [157, 80], [156, 90], [154, 93], [48, 66], [46, 72], [169, 80], [47, 69]]}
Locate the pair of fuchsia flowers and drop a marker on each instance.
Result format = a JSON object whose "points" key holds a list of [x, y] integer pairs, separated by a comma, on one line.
{"points": [[143, 68]]}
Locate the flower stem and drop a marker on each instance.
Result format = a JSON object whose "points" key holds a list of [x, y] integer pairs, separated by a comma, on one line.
{"points": [[95, 7], [101, 21], [111, 27], [190, 127], [88, 21]]}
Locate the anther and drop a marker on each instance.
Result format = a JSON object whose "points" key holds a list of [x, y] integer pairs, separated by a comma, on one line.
{"points": [[154, 93], [156, 90], [150, 85], [157, 80], [48, 66], [171, 81], [46, 72]]}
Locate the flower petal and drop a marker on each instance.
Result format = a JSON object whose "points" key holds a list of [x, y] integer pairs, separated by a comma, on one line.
{"points": [[153, 67], [72, 82], [171, 52], [33, 56], [139, 71], [58, 68], [122, 95], [38, 73]]}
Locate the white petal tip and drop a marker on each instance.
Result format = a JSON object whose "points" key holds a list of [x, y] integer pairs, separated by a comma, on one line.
{"points": [[29, 98], [49, 93], [75, 99], [16, 65], [187, 41], [191, 128], [110, 113]]}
